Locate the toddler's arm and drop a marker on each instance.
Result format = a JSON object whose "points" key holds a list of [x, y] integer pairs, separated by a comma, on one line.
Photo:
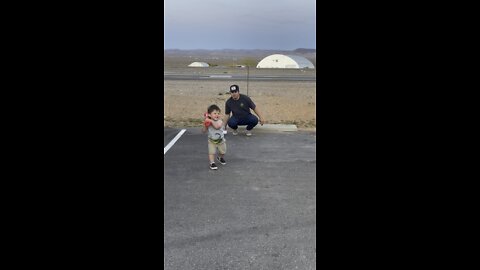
{"points": [[217, 124], [204, 127]]}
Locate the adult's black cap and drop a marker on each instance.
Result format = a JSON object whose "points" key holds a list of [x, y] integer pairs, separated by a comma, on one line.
{"points": [[234, 88]]}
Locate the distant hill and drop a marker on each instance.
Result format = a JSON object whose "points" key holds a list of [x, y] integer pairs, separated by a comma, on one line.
{"points": [[303, 50], [233, 52], [178, 57]]}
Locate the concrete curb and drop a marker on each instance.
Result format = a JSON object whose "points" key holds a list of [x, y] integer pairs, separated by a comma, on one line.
{"points": [[265, 127], [270, 127]]}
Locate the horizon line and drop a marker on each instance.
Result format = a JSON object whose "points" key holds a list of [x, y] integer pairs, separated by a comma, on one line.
{"points": [[239, 49]]}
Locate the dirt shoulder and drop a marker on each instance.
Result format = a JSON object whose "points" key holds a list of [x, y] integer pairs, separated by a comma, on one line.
{"points": [[285, 102]]}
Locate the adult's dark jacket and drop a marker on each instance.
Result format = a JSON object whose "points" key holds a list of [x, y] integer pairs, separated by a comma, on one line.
{"points": [[240, 108]]}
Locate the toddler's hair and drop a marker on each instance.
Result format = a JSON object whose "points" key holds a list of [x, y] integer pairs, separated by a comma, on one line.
{"points": [[212, 108]]}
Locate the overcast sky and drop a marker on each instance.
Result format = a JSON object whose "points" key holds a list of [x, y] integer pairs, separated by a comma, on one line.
{"points": [[239, 24]]}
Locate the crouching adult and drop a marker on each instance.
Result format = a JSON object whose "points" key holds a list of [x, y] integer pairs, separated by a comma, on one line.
{"points": [[237, 112]]}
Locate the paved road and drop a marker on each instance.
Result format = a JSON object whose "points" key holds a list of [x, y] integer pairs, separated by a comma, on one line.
{"points": [[256, 212], [173, 76]]}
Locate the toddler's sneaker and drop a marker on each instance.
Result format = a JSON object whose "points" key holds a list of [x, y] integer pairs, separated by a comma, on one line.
{"points": [[235, 132], [221, 160], [248, 133], [213, 166]]}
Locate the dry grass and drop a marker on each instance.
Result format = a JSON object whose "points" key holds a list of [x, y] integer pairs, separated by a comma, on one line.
{"points": [[281, 102]]}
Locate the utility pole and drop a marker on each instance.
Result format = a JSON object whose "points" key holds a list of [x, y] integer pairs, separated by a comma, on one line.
{"points": [[248, 73]]}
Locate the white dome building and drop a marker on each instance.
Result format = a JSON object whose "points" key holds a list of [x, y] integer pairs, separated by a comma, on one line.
{"points": [[285, 61], [198, 64]]}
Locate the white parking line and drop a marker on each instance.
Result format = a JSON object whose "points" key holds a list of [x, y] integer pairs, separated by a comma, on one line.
{"points": [[220, 76], [170, 144]]}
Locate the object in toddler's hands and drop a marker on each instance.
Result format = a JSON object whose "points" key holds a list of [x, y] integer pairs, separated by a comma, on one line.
{"points": [[206, 123]]}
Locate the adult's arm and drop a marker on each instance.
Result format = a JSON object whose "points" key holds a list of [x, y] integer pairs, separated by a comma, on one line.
{"points": [[227, 117], [254, 107], [228, 111], [260, 116]]}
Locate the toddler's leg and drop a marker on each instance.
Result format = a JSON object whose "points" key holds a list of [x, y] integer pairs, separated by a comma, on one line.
{"points": [[211, 152], [222, 149], [211, 156]]}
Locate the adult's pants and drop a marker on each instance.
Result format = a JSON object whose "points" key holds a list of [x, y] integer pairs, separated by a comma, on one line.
{"points": [[250, 121]]}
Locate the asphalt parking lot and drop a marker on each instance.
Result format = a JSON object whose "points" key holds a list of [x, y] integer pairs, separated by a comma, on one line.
{"points": [[256, 212]]}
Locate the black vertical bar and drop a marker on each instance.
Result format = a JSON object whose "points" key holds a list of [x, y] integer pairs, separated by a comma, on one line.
{"points": [[248, 73]]}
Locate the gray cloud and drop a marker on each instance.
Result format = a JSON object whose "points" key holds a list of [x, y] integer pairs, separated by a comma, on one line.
{"points": [[239, 24]]}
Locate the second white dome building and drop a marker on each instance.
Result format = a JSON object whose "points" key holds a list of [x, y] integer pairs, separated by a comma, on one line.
{"points": [[284, 61]]}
